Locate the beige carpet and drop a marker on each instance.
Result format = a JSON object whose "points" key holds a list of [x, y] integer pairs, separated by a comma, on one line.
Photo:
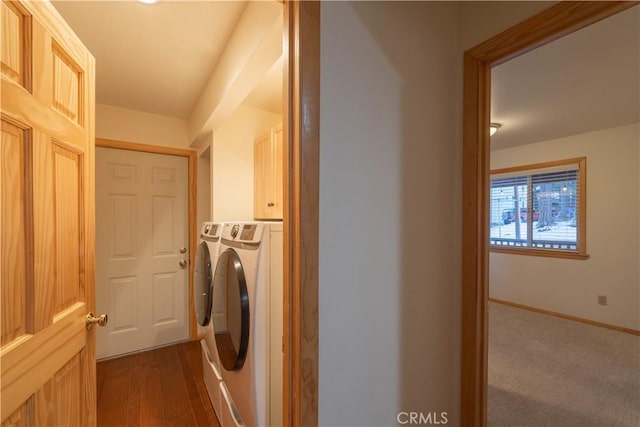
{"points": [[545, 371]]}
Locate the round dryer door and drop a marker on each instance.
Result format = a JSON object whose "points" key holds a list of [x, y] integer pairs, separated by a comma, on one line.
{"points": [[231, 310], [203, 284]]}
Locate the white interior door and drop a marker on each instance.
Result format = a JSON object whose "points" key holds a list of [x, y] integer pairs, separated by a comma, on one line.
{"points": [[141, 242]]}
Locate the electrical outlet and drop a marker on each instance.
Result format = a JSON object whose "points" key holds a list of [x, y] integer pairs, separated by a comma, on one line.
{"points": [[602, 299]]}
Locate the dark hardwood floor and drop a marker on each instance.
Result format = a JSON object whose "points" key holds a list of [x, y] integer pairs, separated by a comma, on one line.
{"points": [[162, 387]]}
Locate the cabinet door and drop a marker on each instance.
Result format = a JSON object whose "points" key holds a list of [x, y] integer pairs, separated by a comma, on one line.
{"points": [[268, 178], [278, 181], [261, 174]]}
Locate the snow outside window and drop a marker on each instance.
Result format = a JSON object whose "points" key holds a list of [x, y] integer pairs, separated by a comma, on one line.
{"points": [[539, 209]]}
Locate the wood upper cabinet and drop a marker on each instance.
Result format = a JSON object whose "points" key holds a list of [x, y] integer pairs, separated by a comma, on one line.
{"points": [[268, 178]]}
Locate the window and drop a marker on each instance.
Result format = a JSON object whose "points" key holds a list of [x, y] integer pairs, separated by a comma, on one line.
{"points": [[539, 209]]}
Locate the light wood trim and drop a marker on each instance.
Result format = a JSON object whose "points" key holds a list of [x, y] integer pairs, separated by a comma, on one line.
{"points": [[288, 37], [192, 205], [301, 196], [582, 208], [475, 244], [193, 239], [145, 148], [538, 252], [581, 253], [20, 376], [567, 316], [557, 21], [560, 20], [580, 161]]}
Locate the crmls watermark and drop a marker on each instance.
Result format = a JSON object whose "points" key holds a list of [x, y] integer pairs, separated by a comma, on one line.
{"points": [[431, 418]]}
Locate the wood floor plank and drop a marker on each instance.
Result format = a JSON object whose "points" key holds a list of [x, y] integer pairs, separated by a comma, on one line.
{"points": [[112, 407], [196, 403], [160, 388], [150, 403], [184, 420], [194, 356], [100, 371], [175, 397]]}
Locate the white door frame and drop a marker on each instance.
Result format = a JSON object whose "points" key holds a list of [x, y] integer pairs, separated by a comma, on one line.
{"points": [[191, 215]]}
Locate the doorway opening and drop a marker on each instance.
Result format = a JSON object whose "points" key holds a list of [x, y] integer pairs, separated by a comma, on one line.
{"points": [[559, 20]]}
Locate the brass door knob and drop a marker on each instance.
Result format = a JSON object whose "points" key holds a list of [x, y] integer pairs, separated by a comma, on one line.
{"points": [[182, 263], [100, 320]]}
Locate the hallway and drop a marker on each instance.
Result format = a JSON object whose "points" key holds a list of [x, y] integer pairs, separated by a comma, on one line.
{"points": [[161, 387]]}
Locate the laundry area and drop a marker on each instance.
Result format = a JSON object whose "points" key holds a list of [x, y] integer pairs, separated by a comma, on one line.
{"points": [[189, 201]]}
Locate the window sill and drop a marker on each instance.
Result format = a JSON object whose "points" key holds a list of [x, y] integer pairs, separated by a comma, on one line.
{"points": [[539, 252]]}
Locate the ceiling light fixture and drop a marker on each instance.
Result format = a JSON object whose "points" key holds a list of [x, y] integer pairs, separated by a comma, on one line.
{"points": [[148, 1], [493, 128]]}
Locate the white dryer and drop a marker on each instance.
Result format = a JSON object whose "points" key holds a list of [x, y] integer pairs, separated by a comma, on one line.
{"points": [[206, 258], [247, 323]]}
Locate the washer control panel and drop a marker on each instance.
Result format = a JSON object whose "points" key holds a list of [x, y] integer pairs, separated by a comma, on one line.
{"points": [[243, 232]]}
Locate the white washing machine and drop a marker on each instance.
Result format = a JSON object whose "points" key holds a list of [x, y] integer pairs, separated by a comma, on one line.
{"points": [[206, 258], [248, 323]]}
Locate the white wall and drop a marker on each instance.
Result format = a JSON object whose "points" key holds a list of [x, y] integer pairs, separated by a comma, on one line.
{"points": [[481, 20], [390, 202], [204, 187], [386, 195], [122, 124], [613, 227], [253, 48], [232, 162]]}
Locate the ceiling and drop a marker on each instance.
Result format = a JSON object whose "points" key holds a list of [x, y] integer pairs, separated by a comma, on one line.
{"points": [[586, 81], [155, 58], [158, 58], [267, 95]]}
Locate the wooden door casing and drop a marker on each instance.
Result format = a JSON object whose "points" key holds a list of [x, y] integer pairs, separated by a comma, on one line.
{"points": [[46, 219]]}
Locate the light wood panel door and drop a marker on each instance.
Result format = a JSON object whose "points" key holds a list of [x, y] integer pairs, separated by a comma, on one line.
{"points": [[142, 250], [46, 220], [268, 176]]}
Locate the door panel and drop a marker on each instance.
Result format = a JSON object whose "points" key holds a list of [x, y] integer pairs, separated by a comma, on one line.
{"points": [[56, 400], [123, 302], [13, 232], [261, 169], [166, 289], [142, 224], [47, 356], [67, 77], [124, 215], [67, 168], [16, 27], [278, 184], [163, 219]]}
